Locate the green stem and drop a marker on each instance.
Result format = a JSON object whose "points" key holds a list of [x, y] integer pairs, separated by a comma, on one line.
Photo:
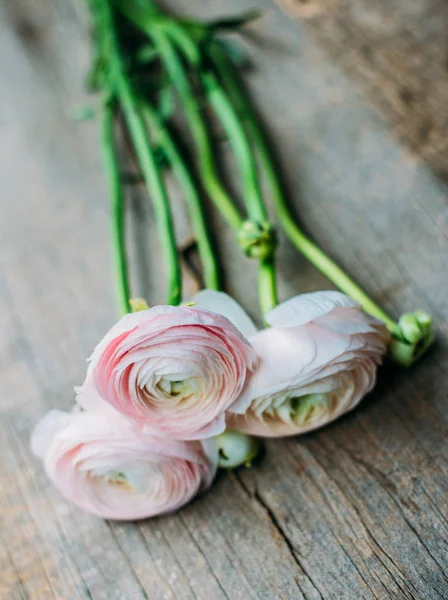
{"points": [[158, 32], [161, 35], [145, 155], [326, 265], [118, 214], [198, 129], [245, 160], [302, 242], [161, 135], [267, 285], [251, 187], [253, 197]]}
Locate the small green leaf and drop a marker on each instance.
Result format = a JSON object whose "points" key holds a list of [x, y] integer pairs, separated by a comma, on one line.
{"points": [[138, 304]]}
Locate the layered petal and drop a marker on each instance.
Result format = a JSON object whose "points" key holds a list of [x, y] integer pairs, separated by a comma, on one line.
{"points": [[317, 361], [107, 466], [306, 308], [223, 304], [174, 370]]}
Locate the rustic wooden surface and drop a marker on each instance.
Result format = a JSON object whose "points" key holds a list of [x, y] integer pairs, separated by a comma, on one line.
{"points": [[355, 511], [398, 53]]}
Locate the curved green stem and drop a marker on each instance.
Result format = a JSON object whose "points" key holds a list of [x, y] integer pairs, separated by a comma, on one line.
{"points": [[158, 192], [251, 186], [112, 170], [145, 155], [302, 242], [159, 33], [325, 264], [253, 197], [162, 135], [243, 153], [192, 110]]}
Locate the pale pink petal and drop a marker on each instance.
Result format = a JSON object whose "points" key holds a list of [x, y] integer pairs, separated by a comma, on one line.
{"points": [[43, 434], [316, 363], [289, 355], [305, 308], [349, 321], [108, 467], [173, 370], [223, 304]]}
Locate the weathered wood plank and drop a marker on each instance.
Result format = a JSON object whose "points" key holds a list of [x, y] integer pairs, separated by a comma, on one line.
{"points": [[397, 52], [357, 510]]}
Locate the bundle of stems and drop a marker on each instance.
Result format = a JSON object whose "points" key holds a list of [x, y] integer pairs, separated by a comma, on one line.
{"points": [[146, 63]]}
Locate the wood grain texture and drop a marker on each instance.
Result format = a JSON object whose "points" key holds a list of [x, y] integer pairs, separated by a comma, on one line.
{"points": [[355, 511], [398, 52]]}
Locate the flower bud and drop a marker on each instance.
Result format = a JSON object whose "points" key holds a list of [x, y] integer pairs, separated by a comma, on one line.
{"points": [[257, 240], [424, 319], [236, 449], [415, 336], [409, 327]]}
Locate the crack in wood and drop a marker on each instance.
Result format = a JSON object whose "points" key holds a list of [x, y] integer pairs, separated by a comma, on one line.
{"points": [[276, 524], [388, 488], [337, 516], [363, 197]]}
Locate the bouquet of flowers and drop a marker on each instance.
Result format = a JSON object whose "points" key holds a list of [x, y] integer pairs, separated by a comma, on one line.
{"points": [[173, 392]]}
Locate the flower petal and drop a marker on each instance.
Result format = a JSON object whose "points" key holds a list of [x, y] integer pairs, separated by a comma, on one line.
{"points": [[51, 424], [305, 308], [176, 371], [223, 304], [349, 321], [112, 469], [317, 362], [290, 355]]}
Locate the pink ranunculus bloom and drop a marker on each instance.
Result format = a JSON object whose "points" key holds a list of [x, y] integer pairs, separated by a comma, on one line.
{"points": [[107, 466], [174, 370], [317, 360]]}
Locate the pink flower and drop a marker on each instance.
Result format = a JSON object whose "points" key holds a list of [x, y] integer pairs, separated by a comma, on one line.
{"points": [[106, 466], [316, 362], [174, 370]]}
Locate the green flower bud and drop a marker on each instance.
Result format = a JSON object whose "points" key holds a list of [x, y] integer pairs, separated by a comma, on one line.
{"points": [[258, 240], [409, 328], [423, 318], [414, 338], [236, 449]]}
